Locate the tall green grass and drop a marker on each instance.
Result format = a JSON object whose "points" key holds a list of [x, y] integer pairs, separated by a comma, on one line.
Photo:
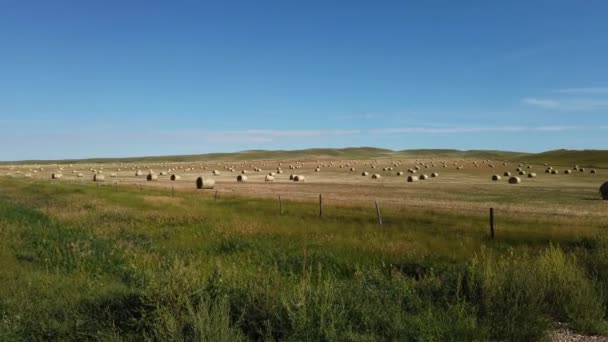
{"points": [[81, 263]]}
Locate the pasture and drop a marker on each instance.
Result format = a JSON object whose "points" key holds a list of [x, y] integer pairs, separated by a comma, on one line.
{"points": [[131, 257]]}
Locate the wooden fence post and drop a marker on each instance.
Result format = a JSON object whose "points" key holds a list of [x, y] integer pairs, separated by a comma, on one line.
{"points": [[215, 196], [492, 223], [320, 205], [378, 213]]}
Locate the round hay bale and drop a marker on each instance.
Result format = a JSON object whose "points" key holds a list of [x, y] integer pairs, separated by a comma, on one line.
{"points": [[113, 175], [567, 172], [604, 191], [269, 178], [364, 173], [496, 178], [424, 177], [317, 170], [547, 171], [244, 171], [138, 173], [434, 175], [594, 171], [56, 175], [205, 183], [522, 173], [80, 175], [411, 179], [151, 177], [98, 178], [514, 180], [241, 178], [400, 173], [298, 178], [175, 177], [531, 175], [554, 172], [376, 176], [582, 169]]}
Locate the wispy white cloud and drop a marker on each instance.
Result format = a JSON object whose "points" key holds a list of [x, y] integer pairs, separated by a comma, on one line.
{"points": [[452, 130], [592, 90], [517, 55], [570, 104], [541, 103], [586, 104], [268, 135], [366, 116]]}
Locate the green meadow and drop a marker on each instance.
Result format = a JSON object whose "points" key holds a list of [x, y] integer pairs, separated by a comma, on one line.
{"points": [[80, 262]]}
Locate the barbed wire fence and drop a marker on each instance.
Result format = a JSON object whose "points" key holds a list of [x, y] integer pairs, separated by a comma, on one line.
{"points": [[494, 212]]}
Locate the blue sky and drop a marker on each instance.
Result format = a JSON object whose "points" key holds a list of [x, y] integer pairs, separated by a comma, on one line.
{"points": [[129, 78]]}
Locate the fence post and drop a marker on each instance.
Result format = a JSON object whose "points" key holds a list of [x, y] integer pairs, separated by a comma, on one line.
{"points": [[492, 223], [320, 205], [280, 205], [215, 197], [378, 213]]}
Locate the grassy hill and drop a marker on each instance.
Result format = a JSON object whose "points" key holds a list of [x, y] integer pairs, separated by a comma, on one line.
{"points": [[586, 158]]}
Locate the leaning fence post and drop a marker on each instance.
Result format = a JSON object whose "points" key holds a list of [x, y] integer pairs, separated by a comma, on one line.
{"points": [[280, 205], [492, 223], [378, 213], [320, 205]]}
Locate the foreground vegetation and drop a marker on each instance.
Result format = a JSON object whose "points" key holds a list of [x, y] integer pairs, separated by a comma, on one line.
{"points": [[79, 262]]}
